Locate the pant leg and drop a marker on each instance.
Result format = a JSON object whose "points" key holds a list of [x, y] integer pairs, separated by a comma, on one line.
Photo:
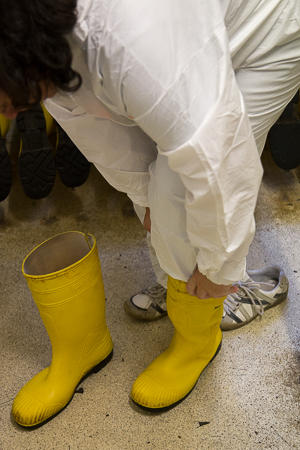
{"points": [[161, 275], [267, 86], [166, 196]]}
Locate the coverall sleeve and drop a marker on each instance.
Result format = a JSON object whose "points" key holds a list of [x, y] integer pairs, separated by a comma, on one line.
{"points": [[187, 100]]}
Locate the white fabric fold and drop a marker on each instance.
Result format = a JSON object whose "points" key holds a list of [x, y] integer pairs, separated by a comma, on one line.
{"points": [[164, 73]]}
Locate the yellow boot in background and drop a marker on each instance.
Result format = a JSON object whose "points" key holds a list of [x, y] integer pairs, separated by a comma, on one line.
{"points": [[5, 164], [65, 280], [196, 341]]}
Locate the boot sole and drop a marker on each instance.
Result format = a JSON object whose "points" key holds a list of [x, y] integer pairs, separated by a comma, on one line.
{"points": [[36, 161], [5, 171], [72, 166], [95, 369], [167, 408]]}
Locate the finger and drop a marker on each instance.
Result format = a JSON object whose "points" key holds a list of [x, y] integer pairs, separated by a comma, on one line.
{"points": [[233, 289], [191, 287], [202, 295], [147, 220]]}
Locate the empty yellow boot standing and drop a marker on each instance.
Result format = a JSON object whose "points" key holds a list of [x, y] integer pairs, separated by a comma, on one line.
{"points": [[64, 276], [197, 339]]}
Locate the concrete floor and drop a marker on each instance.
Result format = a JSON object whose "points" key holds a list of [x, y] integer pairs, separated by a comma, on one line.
{"points": [[248, 397]]}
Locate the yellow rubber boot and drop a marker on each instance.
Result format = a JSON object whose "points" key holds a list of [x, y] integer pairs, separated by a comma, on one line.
{"points": [[196, 341], [64, 276], [4, 125]]}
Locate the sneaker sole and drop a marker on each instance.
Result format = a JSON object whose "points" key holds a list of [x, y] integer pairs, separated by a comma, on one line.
{"points": [[234, 326], [138, 316], [36, 161], [72, 166], [5, 171]]}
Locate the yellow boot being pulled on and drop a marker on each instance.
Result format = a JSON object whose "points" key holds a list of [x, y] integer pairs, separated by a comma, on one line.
{"points": [[64, 276], [196, 341]]}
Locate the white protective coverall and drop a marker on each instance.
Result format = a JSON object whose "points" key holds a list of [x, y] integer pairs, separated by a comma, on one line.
{"points": [[176, 102]]}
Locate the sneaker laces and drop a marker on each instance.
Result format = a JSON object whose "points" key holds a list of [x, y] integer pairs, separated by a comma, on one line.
{"points": [[155, 291], [246, 288]]}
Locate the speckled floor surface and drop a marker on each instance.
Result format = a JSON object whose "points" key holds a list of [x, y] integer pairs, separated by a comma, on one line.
{"points": [[248, 398]]}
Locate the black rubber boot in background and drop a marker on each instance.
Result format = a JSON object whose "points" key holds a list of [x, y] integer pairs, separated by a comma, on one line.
{"points": [[5, 171], [72, 166], [284, 137], [36, 160]]}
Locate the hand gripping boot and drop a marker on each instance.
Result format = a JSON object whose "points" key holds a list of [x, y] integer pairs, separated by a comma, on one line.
{"points": [[64, 276], [196, 341]]}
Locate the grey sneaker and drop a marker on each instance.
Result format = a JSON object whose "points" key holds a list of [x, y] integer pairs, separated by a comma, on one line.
{"points": [[260, 290], [148, 304]]}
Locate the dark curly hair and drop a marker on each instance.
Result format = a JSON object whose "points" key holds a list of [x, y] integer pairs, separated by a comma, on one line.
{"points": [[34, 48]]}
